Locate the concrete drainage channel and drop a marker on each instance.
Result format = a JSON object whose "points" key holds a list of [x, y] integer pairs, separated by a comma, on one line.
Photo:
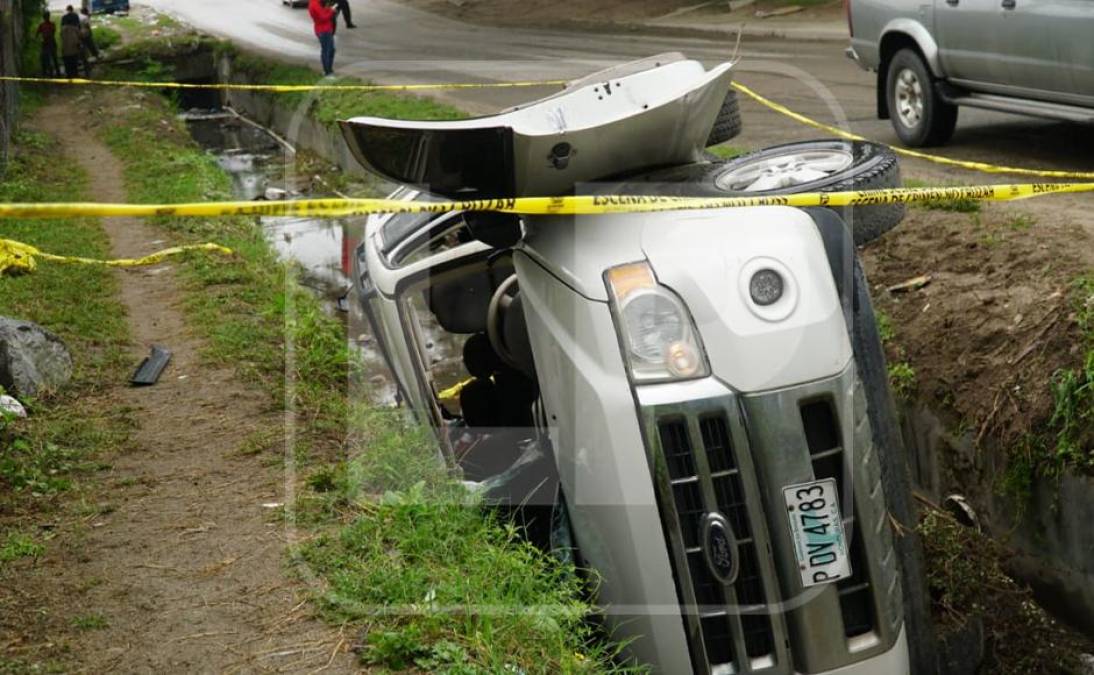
{"points": [[260, 168]]}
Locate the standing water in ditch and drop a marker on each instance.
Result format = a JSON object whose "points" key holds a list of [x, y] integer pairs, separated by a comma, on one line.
{"points": [[261, 167]]}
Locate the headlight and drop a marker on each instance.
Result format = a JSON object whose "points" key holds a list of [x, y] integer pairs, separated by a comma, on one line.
{"points": [[659, 338]]}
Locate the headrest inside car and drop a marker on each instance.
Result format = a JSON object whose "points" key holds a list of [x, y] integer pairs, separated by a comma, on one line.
{"points": [[460, 304]]}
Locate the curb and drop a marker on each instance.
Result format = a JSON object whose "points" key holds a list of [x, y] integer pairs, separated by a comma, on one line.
{"points": [[828, 31]]}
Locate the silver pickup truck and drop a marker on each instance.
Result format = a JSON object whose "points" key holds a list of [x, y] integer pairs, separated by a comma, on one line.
{"points": [[1033, 57]]}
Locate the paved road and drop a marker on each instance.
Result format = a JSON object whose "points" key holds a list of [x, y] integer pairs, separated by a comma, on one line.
{"points": [[395, 43]]}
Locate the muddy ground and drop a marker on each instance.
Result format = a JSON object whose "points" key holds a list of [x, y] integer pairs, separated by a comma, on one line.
{"points": [[183, 557], [997, 318]]}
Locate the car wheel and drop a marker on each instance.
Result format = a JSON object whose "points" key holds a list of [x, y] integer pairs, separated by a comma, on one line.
{"points": [[919, 115], [820, 166], [895, 470], [886, 436], [728, 124]]}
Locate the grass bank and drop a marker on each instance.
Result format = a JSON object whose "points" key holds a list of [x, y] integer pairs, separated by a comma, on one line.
{"points": [[430, 578], [330, 106]]}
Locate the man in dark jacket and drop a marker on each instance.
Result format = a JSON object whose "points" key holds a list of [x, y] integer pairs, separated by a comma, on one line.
{"points": [[71, 43], [70, 18], [343, 9]]}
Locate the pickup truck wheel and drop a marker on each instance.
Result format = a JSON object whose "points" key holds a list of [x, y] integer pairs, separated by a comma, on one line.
{"points": [[728, 124], [820, 166], [919, 115]]}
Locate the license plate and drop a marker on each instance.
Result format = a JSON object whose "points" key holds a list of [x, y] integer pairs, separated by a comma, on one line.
{"points": [[817, 531]]}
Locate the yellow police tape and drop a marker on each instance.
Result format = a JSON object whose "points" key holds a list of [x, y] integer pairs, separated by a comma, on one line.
{"points": [[579, 205], [453, 392], [777, 107], [285, 88], [15, 256], [937, 159]]}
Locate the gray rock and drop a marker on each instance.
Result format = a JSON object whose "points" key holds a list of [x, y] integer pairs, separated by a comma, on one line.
{"points": [[10, 406], [33, 360], [1086, 664]]}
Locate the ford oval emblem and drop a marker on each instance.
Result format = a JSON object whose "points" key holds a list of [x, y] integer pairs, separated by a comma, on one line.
{"points": [[720, 548]]}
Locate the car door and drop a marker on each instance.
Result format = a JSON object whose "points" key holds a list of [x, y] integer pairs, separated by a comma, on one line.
{"points": [[970, 47], [1050, 48]]}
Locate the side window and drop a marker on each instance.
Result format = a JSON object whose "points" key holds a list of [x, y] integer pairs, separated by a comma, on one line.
{"points": [[442, 236]]}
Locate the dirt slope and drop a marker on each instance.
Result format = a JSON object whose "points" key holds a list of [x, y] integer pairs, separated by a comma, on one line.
{"points": [[182, 560]]}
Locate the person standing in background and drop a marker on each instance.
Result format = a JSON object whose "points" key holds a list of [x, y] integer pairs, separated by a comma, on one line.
{"points": [[70, 18], [48, 32], [86, 36], [343, 9], [323, 17], [70, 43]]}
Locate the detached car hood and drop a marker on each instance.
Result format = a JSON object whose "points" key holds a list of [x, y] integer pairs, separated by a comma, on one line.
{"points": [[651, 113]]}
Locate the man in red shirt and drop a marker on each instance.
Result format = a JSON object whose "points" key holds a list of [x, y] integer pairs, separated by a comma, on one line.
{"points": [[48, 32], [323, 15]]}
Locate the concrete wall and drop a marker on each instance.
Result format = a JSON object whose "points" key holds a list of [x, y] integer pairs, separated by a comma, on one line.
{"points": [[295, 124], [1055, 540], [1052, 534]]}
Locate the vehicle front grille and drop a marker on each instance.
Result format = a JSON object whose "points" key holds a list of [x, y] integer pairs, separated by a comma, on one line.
{"points": [[731, 504], [715, 451], [855, 596], [705, 476]]}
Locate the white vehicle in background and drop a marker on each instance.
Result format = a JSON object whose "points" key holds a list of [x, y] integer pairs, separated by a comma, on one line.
{"points": [[691, 403]]}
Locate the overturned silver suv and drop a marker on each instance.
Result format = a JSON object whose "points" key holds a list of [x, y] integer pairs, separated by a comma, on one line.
{"points": [[690, 405]]}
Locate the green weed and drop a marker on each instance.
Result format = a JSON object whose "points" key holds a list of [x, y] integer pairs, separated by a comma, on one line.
{"points": [[726, 151], [1072, 419], [1067, 444], [106, 37], [902, 379], [18, 545], [885, 328], [1022, 468], [89, 622], [1020, 221]]}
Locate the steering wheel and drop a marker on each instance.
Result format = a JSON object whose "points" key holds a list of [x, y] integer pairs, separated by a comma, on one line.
{"points": [[499, 304]]}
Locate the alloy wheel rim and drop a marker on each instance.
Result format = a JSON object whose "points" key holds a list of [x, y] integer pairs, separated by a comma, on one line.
{"points": [[785, 170], [909, 98]]}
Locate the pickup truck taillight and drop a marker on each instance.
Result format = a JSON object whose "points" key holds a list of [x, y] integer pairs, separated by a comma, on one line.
{"points": [[847, 11]]}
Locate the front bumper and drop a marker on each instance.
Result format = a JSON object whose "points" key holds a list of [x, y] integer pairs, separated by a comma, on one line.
{"points": [[712, 450]]}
